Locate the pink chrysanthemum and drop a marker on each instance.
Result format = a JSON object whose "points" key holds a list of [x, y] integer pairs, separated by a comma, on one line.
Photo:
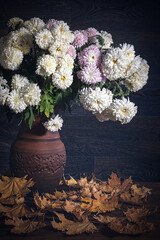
{"points": [[90, 75], [72, 51], [90, 56], [50, 23], [80, 38], [92, 33]]}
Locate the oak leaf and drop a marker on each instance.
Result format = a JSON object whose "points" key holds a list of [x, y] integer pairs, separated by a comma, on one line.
{"points": [[72, 227], [70, 182], [23, 226]]}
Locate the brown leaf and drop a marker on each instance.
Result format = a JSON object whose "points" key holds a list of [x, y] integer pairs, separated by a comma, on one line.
{"points": [[23, 226], [72, 228], [105, 219], [131, 229], [10, 186], [114, 181], [83, 182], [126, 185], [70, 182], [135, 214], [46, 204]]}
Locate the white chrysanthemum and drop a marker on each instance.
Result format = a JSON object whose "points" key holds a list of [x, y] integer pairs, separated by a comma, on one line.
{"points": [[117, 61], [46, 65], [66, 62], [60, 30], [107, 40], [34, 25], [15, 102], [137, 80], [11, 58], [122, 110], [133, 66], [18, 81], [103, 116], [4, 90], [114, 64], [13, 22], [43, 38], [58, 48], [62, 79], [21, 39], [54, 124], [31, 94], [128, 52], [95, 100]]}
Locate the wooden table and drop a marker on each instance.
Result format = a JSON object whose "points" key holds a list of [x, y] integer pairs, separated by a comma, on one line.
{"points": [[51, 234]]}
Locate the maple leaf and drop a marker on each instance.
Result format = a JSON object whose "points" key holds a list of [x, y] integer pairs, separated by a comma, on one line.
{"points": [[137, 196], [83, 182], [114, 181], [23, 226], [131, 229], [44, 203], [72, 227], [100, 205], [10, 186], [135, 214], [71, 182], [126, 185], [105, 219]]}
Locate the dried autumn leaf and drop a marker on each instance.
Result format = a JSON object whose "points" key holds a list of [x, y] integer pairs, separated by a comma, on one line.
{"points": [[70, 182], [69, 206], [23, 226], [4, 208], [137, 196], [126, 185], [114, 181], [131, 229], [135, 214], [72, 228], [83, 182], [46, 204], [10, 186], [105, 219], [100, 205], [60, 195]]}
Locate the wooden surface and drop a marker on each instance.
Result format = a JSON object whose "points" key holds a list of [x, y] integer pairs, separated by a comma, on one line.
{"points": [[132, 149], [106, 234]]}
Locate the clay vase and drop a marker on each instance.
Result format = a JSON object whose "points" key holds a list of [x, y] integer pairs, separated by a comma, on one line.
{"points": [[40, 154]]}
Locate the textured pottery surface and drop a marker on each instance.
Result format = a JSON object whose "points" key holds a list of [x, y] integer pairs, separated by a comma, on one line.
{"points": [[40, 154]]}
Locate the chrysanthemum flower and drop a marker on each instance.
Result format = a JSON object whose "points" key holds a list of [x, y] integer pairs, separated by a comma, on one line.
{"points": [[46, 65], [139, 78], [90, 74], [71, 51], [95, 100], [122, 110], [43, 38], [80, 38], [16, 102], [62, 79], [18, 81], [4, 90], [31, 94], [54, 123], [34, 25], [13, 22], [58, 48], [90, 56], [11, 58]]}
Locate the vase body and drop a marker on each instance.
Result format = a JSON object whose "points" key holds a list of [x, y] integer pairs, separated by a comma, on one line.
{"points": [[40, 154]]}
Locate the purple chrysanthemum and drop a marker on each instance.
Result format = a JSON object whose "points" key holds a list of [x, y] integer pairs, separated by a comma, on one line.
{"points": [[90, 56], [50, 23], [80, 38], [72, 51], [90, 75], [92, 33]]}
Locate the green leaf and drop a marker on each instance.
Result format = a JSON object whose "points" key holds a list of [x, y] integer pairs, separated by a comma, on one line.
{"points": [[100, 40], [31, 118]]}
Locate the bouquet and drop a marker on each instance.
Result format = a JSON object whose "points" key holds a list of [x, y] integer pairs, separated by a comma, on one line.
{"points": [[46, 66]]}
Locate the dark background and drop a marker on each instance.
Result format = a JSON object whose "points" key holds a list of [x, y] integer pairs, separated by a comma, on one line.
{"points": [[91, 146]]}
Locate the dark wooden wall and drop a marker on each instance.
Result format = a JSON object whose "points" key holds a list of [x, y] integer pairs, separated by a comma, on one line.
{"points": [[131, 149]]}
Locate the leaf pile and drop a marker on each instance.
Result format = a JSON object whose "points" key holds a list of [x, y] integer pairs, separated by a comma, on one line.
{"points": [[75, 207]]}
